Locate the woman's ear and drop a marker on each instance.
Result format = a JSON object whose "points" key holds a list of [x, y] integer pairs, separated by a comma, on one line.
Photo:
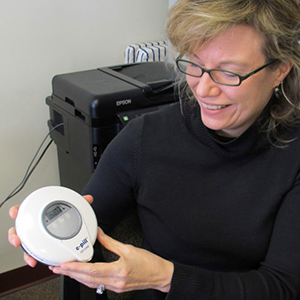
{"points": [[281, 72]]}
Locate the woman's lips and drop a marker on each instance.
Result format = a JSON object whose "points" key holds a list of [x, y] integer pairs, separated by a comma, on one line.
{"points": [[213, 107]]}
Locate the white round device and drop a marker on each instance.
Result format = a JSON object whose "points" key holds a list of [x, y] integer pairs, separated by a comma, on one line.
{"points": [[57, 225]]}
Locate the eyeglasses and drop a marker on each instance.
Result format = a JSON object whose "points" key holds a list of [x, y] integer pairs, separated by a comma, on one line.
{"points": [[217, 75]]}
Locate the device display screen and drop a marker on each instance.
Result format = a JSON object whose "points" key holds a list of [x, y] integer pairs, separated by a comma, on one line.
{"points": [[54, 213], [61, 219]]}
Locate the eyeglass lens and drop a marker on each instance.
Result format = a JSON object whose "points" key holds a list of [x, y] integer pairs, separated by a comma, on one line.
{"points": [[220, 76]]}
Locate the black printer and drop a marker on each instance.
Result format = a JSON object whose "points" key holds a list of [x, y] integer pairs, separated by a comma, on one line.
{"points": [[95, 105]]}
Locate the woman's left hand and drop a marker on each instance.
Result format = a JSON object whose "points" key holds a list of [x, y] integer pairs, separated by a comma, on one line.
{"points": [[136, 269]]}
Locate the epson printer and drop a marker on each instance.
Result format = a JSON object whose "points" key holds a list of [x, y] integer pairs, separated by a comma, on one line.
{"points": [[95, 105]]}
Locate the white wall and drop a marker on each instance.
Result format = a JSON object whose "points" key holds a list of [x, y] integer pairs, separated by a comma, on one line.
{"points": [[171, 2], [40, 39]]}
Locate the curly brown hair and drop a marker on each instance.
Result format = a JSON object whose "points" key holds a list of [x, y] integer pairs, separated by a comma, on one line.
{"points": [[192, 23]]}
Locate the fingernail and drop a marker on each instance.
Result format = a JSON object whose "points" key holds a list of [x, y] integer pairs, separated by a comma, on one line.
{"points": [[12, 240]]}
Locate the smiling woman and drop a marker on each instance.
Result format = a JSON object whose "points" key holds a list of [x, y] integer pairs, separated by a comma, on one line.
{"points": [[216, 193], [230, 103], [273, 39]]}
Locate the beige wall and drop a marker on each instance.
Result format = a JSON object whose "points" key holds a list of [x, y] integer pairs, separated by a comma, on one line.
{"points": [[40, 39]]}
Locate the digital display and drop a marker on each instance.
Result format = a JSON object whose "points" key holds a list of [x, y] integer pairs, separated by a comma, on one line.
{"points": [[54, 213], [61, 220]]}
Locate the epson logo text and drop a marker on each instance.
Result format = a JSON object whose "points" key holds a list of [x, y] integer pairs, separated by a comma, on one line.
{"points": [[123, 102]]}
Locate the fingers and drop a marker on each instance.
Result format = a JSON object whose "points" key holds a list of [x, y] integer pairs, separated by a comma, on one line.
{"points": [[110, 243], [87, 273], [13, 237], [29, 260], [87, 269], [88, 198], [93, 274], [13, 211], [135, 269], [15, 241]]}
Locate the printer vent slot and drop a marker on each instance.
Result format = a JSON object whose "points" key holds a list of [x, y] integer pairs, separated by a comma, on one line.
{"points": [[57, 119], [71, 102], [79, 115]]}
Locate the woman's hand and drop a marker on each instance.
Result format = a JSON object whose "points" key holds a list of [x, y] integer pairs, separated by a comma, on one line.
{"points": [[15, 240], [136, 269]]}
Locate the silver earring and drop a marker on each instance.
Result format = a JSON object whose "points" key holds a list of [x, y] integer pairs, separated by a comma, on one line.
{"points": [[281, 90]]}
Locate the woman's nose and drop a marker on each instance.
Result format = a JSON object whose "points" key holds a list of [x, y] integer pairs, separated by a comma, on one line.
{"points": [[206, 87]]}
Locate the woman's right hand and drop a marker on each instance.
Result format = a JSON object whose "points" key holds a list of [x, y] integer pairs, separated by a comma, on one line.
{"points": [[15, 241]]}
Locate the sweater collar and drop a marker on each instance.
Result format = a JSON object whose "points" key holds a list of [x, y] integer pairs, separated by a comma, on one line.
{"points": [[252, 140]]}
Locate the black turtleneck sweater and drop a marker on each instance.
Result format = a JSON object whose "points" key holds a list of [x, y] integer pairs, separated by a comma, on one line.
{"points": [[226, 212]]}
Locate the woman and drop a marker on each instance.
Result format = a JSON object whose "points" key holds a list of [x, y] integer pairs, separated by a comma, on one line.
{"points": [[216, 180]]}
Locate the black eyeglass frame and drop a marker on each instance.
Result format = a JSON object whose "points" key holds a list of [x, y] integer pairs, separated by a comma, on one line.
{"points": [[241, 78]]}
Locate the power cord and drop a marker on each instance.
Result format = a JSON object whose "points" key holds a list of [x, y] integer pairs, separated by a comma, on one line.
{"points": [[32, 165]]}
